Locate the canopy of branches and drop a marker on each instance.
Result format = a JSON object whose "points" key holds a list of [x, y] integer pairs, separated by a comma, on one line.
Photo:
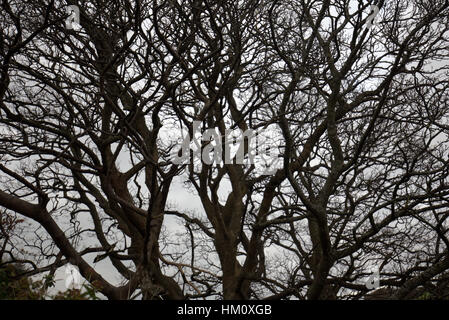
{"points": [[96, 99]]}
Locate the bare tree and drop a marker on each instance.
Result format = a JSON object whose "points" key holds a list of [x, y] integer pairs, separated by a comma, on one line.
{"points": [[90, 117]]}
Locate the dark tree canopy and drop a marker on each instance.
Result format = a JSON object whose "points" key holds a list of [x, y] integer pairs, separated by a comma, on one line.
{"points": [[91, 117]]}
